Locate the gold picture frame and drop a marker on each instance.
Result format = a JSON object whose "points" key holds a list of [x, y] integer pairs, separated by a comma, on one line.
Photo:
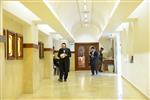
{"points": [[19, 46], [13, 45], [10, 45]]}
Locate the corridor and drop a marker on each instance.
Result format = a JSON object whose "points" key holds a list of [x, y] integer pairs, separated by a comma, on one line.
{"points": [[82, 86], [80, 36]]}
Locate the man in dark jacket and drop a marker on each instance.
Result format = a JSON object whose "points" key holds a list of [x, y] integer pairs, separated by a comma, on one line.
{"points": [[64, 54], [93, 60]]}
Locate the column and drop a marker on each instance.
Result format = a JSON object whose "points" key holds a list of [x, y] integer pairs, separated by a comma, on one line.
{"points": [[48, 57], [31, 58]]}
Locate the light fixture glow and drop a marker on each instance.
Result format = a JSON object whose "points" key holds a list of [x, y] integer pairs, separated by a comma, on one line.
{"points": [[85, 20], [86, 25], [85, 7], [122, 26], [85, 15], [45, 28], [84, 1], [19, 10], [57, 36]]}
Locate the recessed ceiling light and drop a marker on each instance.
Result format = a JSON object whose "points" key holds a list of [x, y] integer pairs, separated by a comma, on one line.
{"points": [[122, 26], [19, 10], [85, 20], [57, 36], [85, 15], [86, 25], [84, 1], [45, 28], [85, 7]]}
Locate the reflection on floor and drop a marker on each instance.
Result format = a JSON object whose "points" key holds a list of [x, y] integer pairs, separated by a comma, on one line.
{"points": [[83, 86]]}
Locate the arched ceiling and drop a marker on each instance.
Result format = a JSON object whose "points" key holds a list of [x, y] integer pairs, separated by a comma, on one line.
{"points": [[82, 20]]}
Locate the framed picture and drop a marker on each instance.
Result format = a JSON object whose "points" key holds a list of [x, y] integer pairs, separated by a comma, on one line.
{"points": [[10, 45], [13, 45], [19, 46], [41, 50]]}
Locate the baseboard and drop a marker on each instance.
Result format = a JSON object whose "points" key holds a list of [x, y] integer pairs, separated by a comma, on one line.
{"points": [[146, 96]]}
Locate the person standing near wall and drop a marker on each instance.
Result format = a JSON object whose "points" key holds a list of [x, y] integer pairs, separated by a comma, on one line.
{"points": [[64, 54], [93, 60], [101, 59]]}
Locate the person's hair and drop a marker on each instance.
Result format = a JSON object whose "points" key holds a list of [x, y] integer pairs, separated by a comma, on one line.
{"points": [[102, 48], [92, 47], [64, 44]]}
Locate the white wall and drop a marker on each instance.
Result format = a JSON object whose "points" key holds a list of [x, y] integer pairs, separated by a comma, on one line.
{"points": [[107, 44], [46, 39], [135, 42]]}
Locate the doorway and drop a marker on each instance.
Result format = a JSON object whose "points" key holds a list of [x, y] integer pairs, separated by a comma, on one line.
{"points": [[82, 55]]}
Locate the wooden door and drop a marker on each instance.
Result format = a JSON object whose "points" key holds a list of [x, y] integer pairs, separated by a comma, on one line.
{"points": [[82, 55]]}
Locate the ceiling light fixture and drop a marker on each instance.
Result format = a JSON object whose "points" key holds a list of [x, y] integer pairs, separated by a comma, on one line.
{"points": [[45, 28], [19, 10], [85, 7], [86, 24], [85, 20], [85, 1], [85, 15]]}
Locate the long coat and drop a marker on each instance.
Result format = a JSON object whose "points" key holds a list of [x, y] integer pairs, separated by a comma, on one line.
{"points": [[94, 59], [64, 62]]}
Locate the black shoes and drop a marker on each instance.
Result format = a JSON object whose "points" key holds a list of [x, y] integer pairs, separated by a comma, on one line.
{"points": [[60, 80]]}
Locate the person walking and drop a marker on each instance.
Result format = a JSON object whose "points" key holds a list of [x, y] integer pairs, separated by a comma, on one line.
{"points": [[64, 54], [93, 60]]}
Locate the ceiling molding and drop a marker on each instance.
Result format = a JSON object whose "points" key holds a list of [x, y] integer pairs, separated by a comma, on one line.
{"points": [[116, 20]]}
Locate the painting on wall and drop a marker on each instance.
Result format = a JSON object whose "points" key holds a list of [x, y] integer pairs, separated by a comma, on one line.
{"points": [[10, 45], [41, 50], [13, 45], [81, 56], [19, 46]]}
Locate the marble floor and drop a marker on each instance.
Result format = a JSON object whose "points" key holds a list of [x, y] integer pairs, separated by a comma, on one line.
{"points": [[82, 86]]}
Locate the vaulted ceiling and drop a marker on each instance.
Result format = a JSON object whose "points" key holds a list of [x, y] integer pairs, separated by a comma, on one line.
{"points": [[82, 20]]}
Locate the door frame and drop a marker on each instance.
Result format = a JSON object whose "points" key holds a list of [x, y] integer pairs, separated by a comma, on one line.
{"points": [[76, 53]]}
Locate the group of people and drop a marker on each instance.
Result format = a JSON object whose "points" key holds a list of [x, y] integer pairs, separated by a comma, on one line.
{"points": [[63, 63]]}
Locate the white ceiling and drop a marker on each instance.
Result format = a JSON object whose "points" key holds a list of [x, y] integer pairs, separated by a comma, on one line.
{"points": [[77, 20], [84, 20]]}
